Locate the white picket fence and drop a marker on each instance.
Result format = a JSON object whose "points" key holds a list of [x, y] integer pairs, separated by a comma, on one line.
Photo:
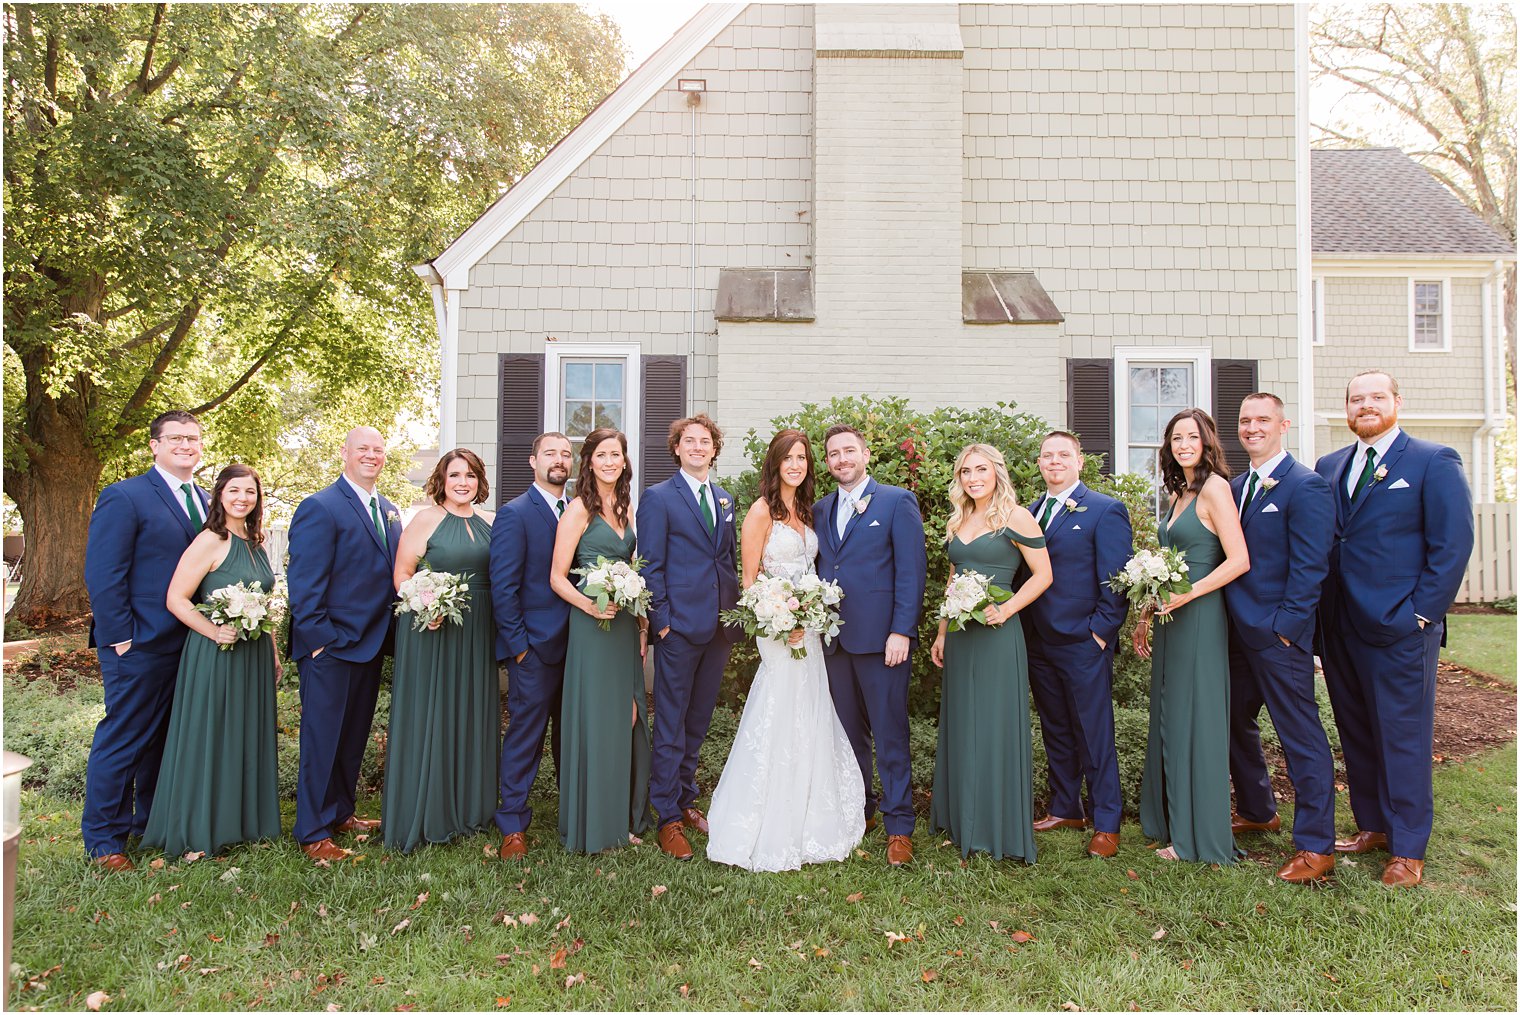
{"points": [[1491, 572]]}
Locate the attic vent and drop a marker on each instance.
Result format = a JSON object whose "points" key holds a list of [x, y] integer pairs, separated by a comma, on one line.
{"points": [[765, 294], [1006, 297]]}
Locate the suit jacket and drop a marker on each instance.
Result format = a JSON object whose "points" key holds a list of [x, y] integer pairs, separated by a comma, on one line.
{"points": [[1402, 549], [138, 532], [692, 573], [528, 612], [1086, 549], [880, 564], [341, 575], [1288, 531]]}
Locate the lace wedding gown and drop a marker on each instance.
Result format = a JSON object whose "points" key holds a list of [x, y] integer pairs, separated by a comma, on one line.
{"points": [[791, 791]]}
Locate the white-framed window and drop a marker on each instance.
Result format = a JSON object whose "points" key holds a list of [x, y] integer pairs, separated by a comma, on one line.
{"points": [[592, 385], [1151, 385], [1430, 315], [1317, 311]]}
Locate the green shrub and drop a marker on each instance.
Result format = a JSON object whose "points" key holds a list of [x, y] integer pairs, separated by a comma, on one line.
{"points": [[15, 630], [1505, 605], [54, 730]]}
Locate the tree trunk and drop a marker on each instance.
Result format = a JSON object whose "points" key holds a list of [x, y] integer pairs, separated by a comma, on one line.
{"points": [[55, 496]]}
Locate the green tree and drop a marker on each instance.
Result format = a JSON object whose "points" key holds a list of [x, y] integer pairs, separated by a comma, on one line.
{"points": [[217, 206]]}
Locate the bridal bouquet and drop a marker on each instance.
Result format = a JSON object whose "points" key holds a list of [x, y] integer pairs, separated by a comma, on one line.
{"points": [[1152, 578], [967, 598], [247, 608], [775, 607], [617, 582], [432, 595]]}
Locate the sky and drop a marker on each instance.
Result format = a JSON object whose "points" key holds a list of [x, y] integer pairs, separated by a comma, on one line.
{"points": [[646, 24]]}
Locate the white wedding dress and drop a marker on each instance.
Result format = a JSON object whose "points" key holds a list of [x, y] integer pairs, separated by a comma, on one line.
{"points": [[791, 791]]}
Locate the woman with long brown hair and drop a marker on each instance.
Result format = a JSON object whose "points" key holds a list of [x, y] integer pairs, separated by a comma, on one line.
{"points": [[444, 736], [604, 735], [218, 783], [791, 791], [1185, 791]]}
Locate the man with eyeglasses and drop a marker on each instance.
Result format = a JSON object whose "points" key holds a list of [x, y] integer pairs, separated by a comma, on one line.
{"points": [[138, 531]]}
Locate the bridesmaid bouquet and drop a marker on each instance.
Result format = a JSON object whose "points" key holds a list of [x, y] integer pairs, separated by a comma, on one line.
{"points": [[775, 607], [247, 608], [617, 582], [1152, 578], [967, 598], [433, 595]]}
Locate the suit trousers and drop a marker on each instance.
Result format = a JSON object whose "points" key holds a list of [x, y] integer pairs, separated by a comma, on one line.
{"points": [[1073, 687], [687, 677], [1384, 699], [337, 710], [534, 692], [1282, 678], [871, 699], [128, 746]]}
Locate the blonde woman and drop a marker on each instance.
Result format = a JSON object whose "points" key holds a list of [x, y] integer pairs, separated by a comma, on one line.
{"points": [[983, 780]]}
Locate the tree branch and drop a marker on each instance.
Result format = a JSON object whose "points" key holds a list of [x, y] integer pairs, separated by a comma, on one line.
{"points": [[147, 62], [149, 383]]}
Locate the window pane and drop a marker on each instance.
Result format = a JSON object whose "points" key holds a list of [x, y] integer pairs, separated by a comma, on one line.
{"points": [[1142, 385], [1427, 297], [609, 382], [1143, 425], [578, 419], [1177, 387], [609, 414], [578, 380]]}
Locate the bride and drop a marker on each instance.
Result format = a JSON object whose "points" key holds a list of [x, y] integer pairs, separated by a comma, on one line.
{"points": [[791, 791]]}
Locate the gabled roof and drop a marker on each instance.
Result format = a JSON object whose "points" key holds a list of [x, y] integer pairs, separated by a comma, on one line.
{"points": [[1380, 201], [580, 144]]}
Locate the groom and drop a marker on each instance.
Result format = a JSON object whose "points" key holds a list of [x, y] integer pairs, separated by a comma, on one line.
{"points": [[871, 541], [686, 532]]}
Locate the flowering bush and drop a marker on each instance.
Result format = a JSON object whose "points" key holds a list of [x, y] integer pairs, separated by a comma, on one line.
{"points": [[775, 607], [434, 595], [247, 608], [617, 582]]}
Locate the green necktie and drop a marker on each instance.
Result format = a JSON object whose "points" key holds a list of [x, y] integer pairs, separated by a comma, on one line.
{"points": [[559, 507], [1050, 509], [374, 510], [1366, 476], [192, 507], [702, 502], [1250, 493]]}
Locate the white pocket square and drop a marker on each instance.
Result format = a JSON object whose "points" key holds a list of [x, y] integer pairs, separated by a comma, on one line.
{"points": [[1398, 484], [729, 518], [873, 525], [1269, 508], [1075, 527]]}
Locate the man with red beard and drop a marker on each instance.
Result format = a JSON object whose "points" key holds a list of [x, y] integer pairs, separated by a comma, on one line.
{"points": [[1403, 536]]}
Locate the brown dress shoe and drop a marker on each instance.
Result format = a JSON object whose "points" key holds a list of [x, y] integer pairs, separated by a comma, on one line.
{"points": [[673, 841], [324, 849], [1050, 821], [357, 824], [1103, 844], [1239, 824], [514, 846], [114, 862], [1403, 872], [899, 850], [693, 818], [1306, 867], [872, 822], [1362, 842]]}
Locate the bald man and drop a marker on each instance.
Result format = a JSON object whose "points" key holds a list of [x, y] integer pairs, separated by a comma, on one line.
{"points": [[342, 557]]}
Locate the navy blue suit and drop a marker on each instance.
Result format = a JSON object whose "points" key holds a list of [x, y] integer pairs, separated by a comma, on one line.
{"points": [[341, 576], [692, 575], [1399, 551], [1072, 678], [1288, 531], [881, 565], [138, 532], [531, 619]]}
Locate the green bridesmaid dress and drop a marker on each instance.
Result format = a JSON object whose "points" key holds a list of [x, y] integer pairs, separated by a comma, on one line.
{"points": [[1185, 791], [604, 784], [219, 783], [445, 725], [983, 772]]}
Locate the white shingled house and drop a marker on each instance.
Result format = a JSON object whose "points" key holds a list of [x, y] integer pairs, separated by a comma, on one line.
{"points": [[1408, 279], [1094, 211]]}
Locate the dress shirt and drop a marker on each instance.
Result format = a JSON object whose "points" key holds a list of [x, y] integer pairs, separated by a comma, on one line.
{"points": [[1060, 499], [1267, 468], [179, 495], [846, 506], [1359, 457], [551, 500], [364, 496], [696, 485]]}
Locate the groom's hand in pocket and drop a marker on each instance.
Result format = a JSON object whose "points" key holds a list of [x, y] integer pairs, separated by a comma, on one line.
{"points": [[897, 649]]}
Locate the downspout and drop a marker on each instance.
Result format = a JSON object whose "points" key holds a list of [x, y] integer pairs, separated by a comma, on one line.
{"points": [[448, 356], [1484, 467], [1303, 227]]}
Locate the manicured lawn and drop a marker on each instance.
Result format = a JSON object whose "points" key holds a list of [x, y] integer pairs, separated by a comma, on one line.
{"points": [[1483, 642]]}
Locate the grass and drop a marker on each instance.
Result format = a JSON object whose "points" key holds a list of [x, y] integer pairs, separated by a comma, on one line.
{"points": [[1482, 641]]}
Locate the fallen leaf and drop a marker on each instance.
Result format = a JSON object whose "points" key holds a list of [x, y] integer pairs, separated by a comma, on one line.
{"points": [[993, 924], [420, 900], [855, 896], [1329, 977], [959, 921], [1187, 964], [1133, 1006], [893, 937], [363, 837], [214, 938], [95, 1000], [405, 1007], [333, 1007], [194, 856], [756, 964], [270, 940], [685, 990], [503, 1002], [571, 981], [928, 976], [1021, 936], [376, 980], [1261, 907], [1070, 1006], [155, 899], [557, 960], [322, 910], [403, 925], [208, 970], [528, 919], [1132, 875], [157, 864], [821, 953], [657, 891], [1160, 933], [563, 923], [367, 941], [863, 854]]}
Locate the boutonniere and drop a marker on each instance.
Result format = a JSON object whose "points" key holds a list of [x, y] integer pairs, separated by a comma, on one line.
{"points": [[391, 517], [1267, 484], [1380, 475], [863, 503], [723, 503], [1073, 506]]}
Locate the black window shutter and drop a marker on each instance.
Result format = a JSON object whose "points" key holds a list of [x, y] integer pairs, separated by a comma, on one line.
{"points": [[664, 402], [1090, 407], [520, 418], [1234, 379]]}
